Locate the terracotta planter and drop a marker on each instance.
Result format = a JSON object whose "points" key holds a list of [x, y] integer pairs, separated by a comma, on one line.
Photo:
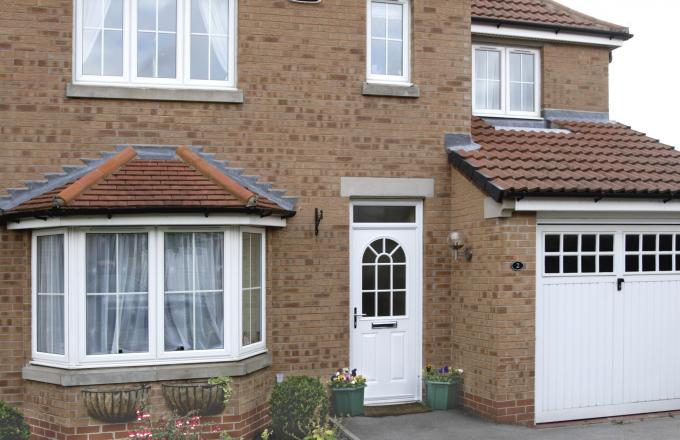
{"points": [[115, 404], [194, 398]]}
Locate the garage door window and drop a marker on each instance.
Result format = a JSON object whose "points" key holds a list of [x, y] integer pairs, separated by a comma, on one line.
{"points": [[578, 254], [652, 253]]}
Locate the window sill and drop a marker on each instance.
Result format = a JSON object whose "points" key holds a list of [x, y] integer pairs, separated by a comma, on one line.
{"points": [[101, 376], [154, 94], [399, 91], [507, 116]]}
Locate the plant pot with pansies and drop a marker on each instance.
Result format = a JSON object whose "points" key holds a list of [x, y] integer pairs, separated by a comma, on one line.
{"points": [[347, 390], [442, 387]]}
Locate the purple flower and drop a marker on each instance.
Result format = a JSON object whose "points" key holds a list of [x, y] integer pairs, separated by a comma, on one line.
{"points": [[354, 373], [446, 369]]}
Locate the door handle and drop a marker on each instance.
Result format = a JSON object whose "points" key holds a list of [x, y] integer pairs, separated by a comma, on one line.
{"points": [[356, 315], [619, 284]]}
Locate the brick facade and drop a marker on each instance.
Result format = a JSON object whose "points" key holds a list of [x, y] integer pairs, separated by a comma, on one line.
{"points": [[303, 126], [493, 308]]}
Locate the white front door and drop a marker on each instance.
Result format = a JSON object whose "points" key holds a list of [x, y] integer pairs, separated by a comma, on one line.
{"points": [[608, 307], [386, 299]]}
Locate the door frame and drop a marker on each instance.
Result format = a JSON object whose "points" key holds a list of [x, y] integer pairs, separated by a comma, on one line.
{"points": [[417, 315]]}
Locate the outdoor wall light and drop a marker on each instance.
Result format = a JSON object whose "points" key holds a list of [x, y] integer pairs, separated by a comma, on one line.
{"points": [[456, 243]]}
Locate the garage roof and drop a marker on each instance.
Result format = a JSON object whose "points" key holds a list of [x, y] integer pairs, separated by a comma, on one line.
{"points": [[569, 158], [546, 13]]}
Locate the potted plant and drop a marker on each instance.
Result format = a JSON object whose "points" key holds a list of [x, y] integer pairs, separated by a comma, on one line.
{"points": [[442, 386], [347, 388], [115, 404]]}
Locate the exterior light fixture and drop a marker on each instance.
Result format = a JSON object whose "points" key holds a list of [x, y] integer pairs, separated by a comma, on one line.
{"points": [[456, 243]]}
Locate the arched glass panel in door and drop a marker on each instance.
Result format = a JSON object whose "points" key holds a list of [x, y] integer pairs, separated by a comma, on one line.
{"points": [[383, 279]]}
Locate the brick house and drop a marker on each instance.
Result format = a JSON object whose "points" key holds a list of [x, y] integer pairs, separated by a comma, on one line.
{"points": [[165, 164]]}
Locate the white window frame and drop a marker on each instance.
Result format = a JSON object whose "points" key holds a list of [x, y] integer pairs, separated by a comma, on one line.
{"points": [[75, 305], [49, 357], [505, 111], [404, 79], [656, 253], [129, 78], [578, 254]]}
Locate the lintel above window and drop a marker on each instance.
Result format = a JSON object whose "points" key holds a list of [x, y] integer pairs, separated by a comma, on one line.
{"points": [[156, 43], [506, 81], [388, 41]]}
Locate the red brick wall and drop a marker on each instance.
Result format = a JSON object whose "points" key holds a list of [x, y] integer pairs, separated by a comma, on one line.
{"points": [[493, 308]]}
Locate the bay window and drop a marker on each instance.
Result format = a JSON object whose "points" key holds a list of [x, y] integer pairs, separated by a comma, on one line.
{"points": [[506, 81], [147, 296], [164, 43], [388, 38]]}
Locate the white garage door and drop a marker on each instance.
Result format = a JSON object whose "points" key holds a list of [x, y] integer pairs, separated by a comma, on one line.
{"points": [[607, 321]]}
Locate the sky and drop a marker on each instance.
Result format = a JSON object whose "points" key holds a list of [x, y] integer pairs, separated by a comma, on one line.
{"points": [[644, 87]]}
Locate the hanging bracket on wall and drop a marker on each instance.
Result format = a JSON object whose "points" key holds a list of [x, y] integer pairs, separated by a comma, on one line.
{"points": [[318, 216]]}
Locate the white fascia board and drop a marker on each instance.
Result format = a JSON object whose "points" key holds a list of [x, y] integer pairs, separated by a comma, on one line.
{"points": [[510, 31], [590, 205], [149, 220]]}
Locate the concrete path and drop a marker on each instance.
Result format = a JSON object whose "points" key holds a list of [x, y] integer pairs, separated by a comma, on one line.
{"points": [[453, 425]]}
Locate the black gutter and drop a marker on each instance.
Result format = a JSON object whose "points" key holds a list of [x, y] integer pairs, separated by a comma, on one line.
{"points": [[625, 35], [8, 216]]}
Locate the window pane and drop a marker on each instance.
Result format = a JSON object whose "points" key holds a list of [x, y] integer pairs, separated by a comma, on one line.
{"points": [[649, 263], [93, 13], [665, 242], [179, 325], [178, 262], [92, 52], [480, 64], [399, 256], [395, 58], [101, 324], [113, 17], [100, 265], [50, 324], [649, 242], [384, 214], [516, 97], [368, 277], [570, 264], [50, 259], [528, 68], [146, 54], [480, 94], [368, 303], [494, 95], [199, 16], [218, 58], [399, 304], [252, 294], [552, 243], [494, 65], [632, 243], [588, 243], [133, 261], [570, 243], [665, 263], [384, 303], [632, 263], [384, 277], [527, 98], [552, 264], [146, 15], [588, 264], [378, 20], [378, 57], [606, 243], [399, 277], [113, 53], [219, 17], [252, 330], [395, 23], [167, 15], [167, 54], [209, 254], [209, 321], [134, 323], [606, 263], [199, 57], [515, 67]]}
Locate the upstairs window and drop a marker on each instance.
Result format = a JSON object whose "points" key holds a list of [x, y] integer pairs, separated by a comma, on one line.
{"points": [[388, 41], [506, 81], [172, 43]]}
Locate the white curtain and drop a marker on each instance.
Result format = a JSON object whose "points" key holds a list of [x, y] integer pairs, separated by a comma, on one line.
{"points": [[217, 16], [194, 288], [94, 12], [117, 293], [50, 292]]}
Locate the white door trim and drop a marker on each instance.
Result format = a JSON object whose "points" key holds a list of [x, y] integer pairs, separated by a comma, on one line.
{"points": [[417, 314]]}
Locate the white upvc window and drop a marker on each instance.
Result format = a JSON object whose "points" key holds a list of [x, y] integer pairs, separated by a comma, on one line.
{"points": [[145, 296], [156, 43], [506, 81], [388, 41]]}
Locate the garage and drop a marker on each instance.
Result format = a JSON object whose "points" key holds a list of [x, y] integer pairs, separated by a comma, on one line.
{"points": [[607, 320]]}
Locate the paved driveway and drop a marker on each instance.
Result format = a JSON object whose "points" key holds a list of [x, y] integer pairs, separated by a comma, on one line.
{"points": [[452, 425]]}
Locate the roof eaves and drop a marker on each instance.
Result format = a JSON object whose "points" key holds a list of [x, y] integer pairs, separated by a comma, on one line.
{"points": [[478, 179], [623, 34]]}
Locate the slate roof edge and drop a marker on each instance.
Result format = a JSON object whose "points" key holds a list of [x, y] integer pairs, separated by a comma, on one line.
{"points": [[623, 33]]}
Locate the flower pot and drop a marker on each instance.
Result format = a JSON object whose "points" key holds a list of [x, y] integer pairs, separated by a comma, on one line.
{"points": [[442, 395], [194, 398], [115, 404], [348, 402]]}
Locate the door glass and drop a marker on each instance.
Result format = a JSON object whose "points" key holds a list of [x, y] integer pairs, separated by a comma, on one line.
{"points": [[383, 279], [384, 214]]}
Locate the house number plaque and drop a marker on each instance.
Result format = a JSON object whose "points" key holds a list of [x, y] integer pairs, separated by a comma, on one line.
{"points": [[517, 266]]}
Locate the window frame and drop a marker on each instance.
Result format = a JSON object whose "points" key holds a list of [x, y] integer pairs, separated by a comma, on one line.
{"points": [[130, 79], [579, 253], [75, 300], [674, 253], [405, 79], [505, 111], [49, 357]]}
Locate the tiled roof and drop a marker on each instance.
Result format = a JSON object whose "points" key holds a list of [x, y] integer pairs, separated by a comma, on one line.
{"points": [[574, 158], [147, 179], [542, 12]]}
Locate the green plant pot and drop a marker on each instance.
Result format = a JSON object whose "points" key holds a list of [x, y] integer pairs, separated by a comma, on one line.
{"points": [[348, 402], [442, 395]]}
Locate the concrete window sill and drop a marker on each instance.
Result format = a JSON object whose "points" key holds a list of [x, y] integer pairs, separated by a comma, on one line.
{"points": [[374, 89], [151, 94], [116, 375]]}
